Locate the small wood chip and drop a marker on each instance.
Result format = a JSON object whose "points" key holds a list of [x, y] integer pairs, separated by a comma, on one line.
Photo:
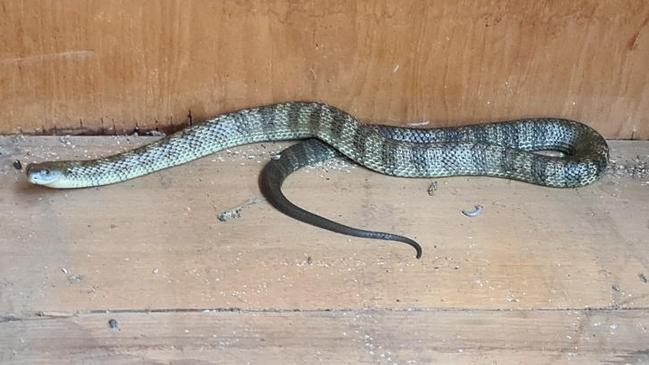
{"points": [[432, 188], [473, 213]]}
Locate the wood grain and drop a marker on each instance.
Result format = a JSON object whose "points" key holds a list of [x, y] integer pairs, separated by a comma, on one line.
{"points": [[542, 276], [155, 242], [337, 337], [113, 66]]}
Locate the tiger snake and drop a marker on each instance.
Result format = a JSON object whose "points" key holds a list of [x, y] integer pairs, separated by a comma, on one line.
{"points": [[504, 149]]}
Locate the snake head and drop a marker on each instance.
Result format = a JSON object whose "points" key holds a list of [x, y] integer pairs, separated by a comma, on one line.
{"points": [[46, 174]]}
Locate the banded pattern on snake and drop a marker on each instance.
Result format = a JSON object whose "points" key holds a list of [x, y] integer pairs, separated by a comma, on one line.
{"points": [[496, 149]]}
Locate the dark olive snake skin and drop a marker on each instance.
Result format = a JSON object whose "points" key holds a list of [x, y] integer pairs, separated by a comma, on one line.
{"points": [[294, 158], [496, 149]]}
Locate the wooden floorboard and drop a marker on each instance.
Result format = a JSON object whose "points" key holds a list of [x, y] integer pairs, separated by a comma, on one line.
{"points": [[524, 280], [337, 337]]}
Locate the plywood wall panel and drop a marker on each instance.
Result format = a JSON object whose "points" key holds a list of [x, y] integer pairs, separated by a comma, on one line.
{"points": [[109, 66]]}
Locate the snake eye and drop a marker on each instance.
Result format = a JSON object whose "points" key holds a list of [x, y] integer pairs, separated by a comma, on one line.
{"points": [[45, 172]]}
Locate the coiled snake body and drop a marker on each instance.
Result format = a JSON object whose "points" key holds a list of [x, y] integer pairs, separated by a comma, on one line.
{"points": [[497, 149]]}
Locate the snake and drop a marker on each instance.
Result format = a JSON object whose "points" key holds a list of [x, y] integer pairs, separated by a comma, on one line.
{"points": [[500, 149]]}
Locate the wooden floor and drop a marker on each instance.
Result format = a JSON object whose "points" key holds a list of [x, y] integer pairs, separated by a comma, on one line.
{"points": [[543, 276]]}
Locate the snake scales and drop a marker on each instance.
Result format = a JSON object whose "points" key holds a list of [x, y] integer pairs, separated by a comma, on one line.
{"points": [[497, 149]]}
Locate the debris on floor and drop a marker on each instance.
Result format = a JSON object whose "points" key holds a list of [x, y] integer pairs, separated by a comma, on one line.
{"points": [[235, 212], [473, 213], [643, 278], [432, 188], [637, 168], [112, 323]]}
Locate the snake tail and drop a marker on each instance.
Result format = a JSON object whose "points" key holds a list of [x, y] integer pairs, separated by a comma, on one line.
{"points": [[294, 158]]}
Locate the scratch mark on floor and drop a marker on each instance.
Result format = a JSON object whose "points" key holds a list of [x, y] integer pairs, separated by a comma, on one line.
{"points": [[67, 55]]}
